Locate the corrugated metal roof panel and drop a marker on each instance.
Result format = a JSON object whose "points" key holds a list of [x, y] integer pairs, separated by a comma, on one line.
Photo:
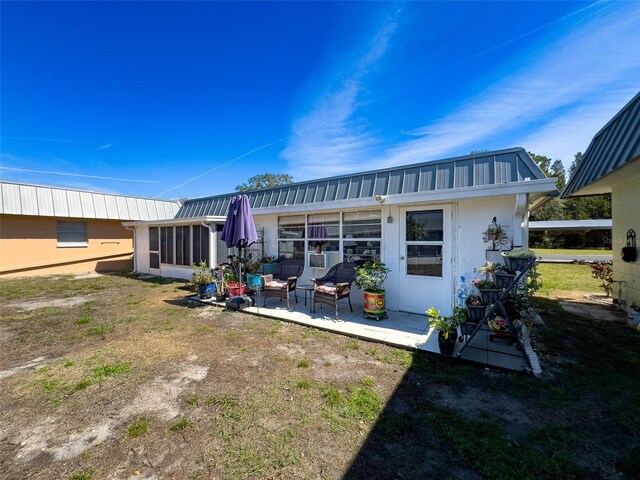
{"points": [[100, 205], [37, 200], [75, 205], [112, 207], [45, 201], [11, 199], [343, 188], [86, 203], [617, 143], [132, 208], [411, 180], [444, 177], [28, 200], [483, 169], [60, 204], [427, 178], [463, 174]]}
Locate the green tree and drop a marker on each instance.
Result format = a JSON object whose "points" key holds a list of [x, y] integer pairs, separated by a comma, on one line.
{"points": [[266, 180]]}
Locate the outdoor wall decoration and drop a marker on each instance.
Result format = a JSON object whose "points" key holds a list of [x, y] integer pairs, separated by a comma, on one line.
{"points": [[497, 235], [630, 252]]}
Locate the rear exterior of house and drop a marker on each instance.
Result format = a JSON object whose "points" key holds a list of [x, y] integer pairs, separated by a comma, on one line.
{"points": [[611, 164], [48, 230], [425, 221]]}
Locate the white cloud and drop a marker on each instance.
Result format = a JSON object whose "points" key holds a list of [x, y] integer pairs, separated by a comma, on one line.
{"points": [[333, 140], [561, 95], [572, 79], [103, 147]]}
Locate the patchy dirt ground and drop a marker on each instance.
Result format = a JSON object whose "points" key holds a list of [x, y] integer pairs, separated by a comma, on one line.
{"points": [[118, 378]]}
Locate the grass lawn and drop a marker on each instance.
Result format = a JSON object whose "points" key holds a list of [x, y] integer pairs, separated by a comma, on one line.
{"points": [[117, 377], [557, 277], [568, 251]]}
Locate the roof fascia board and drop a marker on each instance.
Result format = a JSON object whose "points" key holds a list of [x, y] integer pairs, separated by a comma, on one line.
{"points": [[172, 221]]}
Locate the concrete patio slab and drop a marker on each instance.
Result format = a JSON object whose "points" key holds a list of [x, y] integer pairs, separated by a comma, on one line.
{"points": [[401, 329]]}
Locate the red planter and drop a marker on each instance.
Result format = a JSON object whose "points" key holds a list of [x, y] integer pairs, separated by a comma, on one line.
{"points": [[235, 291]]}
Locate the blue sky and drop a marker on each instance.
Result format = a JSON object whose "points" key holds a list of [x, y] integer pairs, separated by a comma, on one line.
{"points": [[190, 99]]}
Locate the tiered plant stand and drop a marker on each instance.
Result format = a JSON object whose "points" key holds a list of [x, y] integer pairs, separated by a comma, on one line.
{"points": [[507, 294]]}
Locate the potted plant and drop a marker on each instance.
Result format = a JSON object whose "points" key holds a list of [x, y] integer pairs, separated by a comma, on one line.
{"points": [[461, 316], [370, 277], [488, 290], [517, 260], [204, 280], [475, 308], [447, 330], [268, 264], [254, 279], [234, 286]]}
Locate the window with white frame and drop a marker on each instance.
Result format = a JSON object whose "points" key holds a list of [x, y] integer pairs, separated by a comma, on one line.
{"points": [[72, 234], [348, 236]]}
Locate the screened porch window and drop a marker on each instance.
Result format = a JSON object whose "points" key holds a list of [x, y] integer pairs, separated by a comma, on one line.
{"points": [[183, 245], [154, 247], [200, 244], [166, 245]]}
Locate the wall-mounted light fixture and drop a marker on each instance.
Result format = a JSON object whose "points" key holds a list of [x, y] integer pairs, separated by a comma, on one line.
{"points": [[379, 199]]}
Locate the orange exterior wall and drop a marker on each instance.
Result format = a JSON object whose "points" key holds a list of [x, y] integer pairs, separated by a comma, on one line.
{"points": [[28, 246]]}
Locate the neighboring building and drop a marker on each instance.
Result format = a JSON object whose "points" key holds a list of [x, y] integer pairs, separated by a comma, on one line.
{"points": [[611, 164], [425, 221], [46, 230]]}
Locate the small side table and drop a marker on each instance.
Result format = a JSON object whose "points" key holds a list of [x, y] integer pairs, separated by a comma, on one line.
{"points": [[306, 287]]}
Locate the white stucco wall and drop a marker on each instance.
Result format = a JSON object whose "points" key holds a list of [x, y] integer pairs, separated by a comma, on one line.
{"points": [[141, 249], [469, 218], [625, 203]]}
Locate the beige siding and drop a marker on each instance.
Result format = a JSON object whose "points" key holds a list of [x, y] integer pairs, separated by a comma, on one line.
{"points": [[625, 199], [28, 246]]}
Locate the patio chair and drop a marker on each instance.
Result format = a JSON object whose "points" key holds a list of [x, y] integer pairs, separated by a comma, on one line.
{"points": [[334, 286], [283, 281]]}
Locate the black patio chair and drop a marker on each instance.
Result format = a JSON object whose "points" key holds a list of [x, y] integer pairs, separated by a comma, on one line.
{"points": [[283, 281], [334, 286]]}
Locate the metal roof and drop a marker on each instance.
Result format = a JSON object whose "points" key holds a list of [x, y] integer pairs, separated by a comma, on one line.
{"points": [[481, 169], [23, 199], [617, 143], [598, 224]]}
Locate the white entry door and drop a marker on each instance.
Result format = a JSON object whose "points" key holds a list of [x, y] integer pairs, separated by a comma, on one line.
{"points": [[425, 259]]}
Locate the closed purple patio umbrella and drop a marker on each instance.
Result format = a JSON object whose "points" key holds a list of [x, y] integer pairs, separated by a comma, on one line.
{"points": [[239, 229]]}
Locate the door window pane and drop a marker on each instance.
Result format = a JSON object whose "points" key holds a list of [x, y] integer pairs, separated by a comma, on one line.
{"points": [[425, 226], [154, 260], [424, 260]]}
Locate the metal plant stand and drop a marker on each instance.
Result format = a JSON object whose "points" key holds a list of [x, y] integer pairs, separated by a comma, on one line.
{"points": [[508, 294]]}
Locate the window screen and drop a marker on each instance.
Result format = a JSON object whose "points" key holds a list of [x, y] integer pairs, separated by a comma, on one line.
{"points": [[72, 234]]}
